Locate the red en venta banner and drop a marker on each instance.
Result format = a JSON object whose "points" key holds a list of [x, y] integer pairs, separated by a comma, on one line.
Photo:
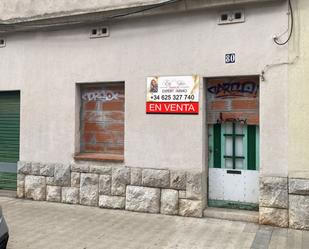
{"points": [[172, 107]]}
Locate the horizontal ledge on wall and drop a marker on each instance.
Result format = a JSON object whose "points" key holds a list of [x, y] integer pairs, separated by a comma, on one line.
{"points": [[66, 16], [98, 157]]}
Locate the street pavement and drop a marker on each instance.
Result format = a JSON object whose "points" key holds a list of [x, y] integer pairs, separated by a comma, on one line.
{"points": [[44, 225]]}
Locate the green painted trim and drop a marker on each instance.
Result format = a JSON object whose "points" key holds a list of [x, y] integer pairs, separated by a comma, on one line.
{"points": [[251, 147], [236, 157], [236, 135], [233, 205], [217, 141], [210, 146], [245, 141], [234, 145], [223, 130], [257, 148], [8, 181]]}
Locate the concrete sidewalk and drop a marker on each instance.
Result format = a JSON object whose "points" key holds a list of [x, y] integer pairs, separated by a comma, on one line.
{"points": [[43, 225]]}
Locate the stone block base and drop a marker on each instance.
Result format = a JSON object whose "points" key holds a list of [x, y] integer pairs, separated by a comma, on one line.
{"points": [[284, 202], [274, 217], [143, 199], [113, 186], [190, 208], [299, 211], [114, 202]]}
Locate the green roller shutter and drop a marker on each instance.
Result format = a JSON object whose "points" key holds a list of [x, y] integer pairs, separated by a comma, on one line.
{"points": [[9, 138]]}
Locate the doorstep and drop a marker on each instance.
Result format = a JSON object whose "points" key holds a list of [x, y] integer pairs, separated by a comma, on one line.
{"points": [[232, 214]]}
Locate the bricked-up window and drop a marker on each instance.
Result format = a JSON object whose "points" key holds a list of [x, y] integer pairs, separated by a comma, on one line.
{"points": [[102, 119]]}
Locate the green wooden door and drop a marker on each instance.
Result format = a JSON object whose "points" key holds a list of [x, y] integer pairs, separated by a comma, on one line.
{"points": [[9, 138]]}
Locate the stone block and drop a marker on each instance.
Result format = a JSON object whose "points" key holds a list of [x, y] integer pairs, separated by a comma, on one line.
{"points": [[50, 181], [182, 194], [24, 168], [89, 189], [102, 170], [35, 188], [105, 185], [35, 168], [274, 192], [75, 179], [273, 217], [143, 199], [62, 175], [159, 178], [178, 180], [20, 186], [53, 193], [169, 201], [136, 176], [70, 195], [21, 180], [47, 169], [299, 186], [120, 179], [194, 186], [81, 168], [115, 202], [20, 192], [299, 212], [190, 208]]}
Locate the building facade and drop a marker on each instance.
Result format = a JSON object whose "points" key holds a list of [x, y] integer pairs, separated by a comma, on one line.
{"points": [[76, 80], [298, 108]]}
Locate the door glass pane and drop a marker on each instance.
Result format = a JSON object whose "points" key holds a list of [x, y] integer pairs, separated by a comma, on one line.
{"points": [[239, 150], [228, 163], [239, 128], [228, 146], [239, 164], [228, 128]]}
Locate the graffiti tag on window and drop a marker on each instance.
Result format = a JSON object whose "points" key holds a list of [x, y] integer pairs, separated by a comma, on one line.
{"points": [[234, 89], [100, 95]]}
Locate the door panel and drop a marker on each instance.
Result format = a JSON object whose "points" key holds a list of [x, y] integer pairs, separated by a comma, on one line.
{"points": [[235, 178], [227, 187]]}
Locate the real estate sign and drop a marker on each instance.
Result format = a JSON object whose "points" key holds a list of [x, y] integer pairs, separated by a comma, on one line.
{"points": [[173, 95]]}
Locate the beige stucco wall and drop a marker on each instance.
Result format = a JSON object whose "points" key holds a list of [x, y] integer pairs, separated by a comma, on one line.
{"points": [[299, 90], [12, 11], [46, 66]]}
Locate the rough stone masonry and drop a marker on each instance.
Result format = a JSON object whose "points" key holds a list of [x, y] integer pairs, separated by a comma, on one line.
{"points": [[135, 189], [284, 202]]}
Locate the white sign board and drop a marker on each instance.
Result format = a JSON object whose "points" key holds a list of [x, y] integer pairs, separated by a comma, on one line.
{"points": [[176, 95]]}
